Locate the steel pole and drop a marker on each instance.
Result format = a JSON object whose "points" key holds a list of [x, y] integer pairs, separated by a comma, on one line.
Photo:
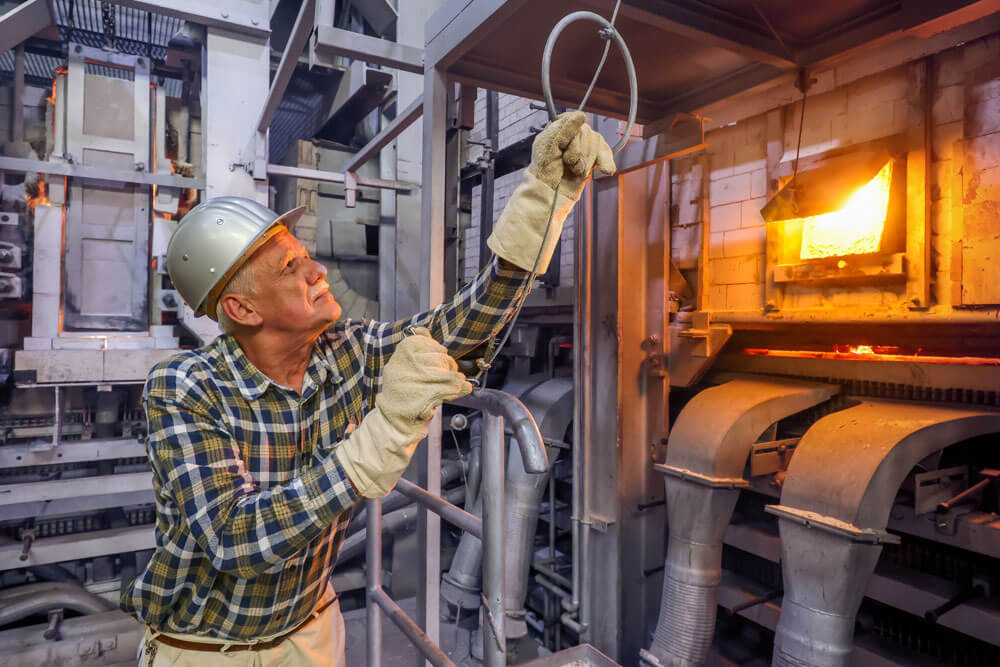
{"points": [[494, 642], [373, 561]]}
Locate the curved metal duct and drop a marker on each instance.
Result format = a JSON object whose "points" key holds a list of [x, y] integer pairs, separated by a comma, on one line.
{"points": [[32, 599], [835, 504], [551, 404], [706, 458]]}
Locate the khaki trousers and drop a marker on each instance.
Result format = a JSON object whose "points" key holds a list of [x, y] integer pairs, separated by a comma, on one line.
{"points": [[319, 642]]}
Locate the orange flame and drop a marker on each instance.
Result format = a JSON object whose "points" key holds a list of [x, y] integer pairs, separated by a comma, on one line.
{"points": [[40, 198], [856, 228]]}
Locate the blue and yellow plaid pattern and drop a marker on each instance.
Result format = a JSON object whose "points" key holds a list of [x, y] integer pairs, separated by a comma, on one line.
{"points": [[251, 504]]}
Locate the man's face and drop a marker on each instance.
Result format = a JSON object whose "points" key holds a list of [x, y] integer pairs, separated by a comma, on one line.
{"points": [[292, 293]]}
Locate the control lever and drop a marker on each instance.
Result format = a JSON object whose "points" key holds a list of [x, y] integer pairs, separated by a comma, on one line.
{"points": [[27, 539], [979, 589], [754, 601], [989, 477]]}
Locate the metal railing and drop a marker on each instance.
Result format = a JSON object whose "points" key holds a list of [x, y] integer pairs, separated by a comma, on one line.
{"points": [[496, 406]]}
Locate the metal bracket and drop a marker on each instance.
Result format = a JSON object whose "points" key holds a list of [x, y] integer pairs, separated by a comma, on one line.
{"points": [[694, 348], [767, 458], [704, 480], [832, 525], [937, 486], [601, 523], [350, 189]]}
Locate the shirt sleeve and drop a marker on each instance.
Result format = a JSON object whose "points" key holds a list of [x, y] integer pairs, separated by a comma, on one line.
{"points": [[476, 313], [242, 529]]}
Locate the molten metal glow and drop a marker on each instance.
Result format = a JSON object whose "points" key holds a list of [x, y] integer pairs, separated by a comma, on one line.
{"points": [[871, 353], [856, 228]]}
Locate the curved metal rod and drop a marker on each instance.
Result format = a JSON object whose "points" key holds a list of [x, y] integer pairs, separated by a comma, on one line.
{"points": [[40, 598], [521, 423], [609, 31]]}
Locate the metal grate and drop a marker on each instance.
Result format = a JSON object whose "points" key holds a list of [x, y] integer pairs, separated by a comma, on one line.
{"points": [[38, 68], [135, 31]]}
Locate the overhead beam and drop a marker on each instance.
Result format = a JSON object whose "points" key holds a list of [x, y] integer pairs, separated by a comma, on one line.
{"points": [[330, 42], [102, 173], [289, 59], [78, 546], [249, 17], [402, 121], [709, 30], [918, 16], [22, 22], [731, 83], [334, 177]]}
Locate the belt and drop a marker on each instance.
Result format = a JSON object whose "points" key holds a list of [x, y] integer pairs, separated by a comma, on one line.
{"points": [[213, 647]]}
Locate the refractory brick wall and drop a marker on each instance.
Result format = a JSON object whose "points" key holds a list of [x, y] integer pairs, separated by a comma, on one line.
{"points": [[517, 119], [965, 157]]}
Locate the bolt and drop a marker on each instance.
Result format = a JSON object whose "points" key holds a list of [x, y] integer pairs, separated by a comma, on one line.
{"points": [[185, 257], [253, 21], [225, 15], [219, 221]]}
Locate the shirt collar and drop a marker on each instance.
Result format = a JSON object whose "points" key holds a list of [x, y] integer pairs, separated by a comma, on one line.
{"points": [[252, 383]]}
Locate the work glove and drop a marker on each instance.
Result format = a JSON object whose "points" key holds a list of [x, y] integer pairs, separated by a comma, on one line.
{"points": [[562, 156], [418, 378]]}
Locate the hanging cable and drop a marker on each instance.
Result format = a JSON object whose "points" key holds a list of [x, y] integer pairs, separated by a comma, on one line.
{"points": [[608, 33]]}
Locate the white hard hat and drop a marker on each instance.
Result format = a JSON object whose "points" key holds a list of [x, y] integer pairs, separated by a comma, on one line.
{"points": [[214, 240]]}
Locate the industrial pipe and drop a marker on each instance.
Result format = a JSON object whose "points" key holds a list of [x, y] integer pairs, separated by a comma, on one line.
{"points": [[707, 454], [33, 599], [392, 522], [521, 423]]}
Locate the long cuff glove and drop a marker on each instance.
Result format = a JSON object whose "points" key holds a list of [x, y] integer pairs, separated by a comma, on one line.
{"points": [[418, 378], [562, 156]]}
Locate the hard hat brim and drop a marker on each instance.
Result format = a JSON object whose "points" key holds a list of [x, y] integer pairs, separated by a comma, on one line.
{"points": [[288, 219]]}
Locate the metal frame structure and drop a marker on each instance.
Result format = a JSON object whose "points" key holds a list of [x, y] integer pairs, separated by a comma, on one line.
{"points": [[496, 407]]}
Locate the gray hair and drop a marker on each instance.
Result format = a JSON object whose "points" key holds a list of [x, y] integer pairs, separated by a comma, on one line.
{"points": [[244, 282]]}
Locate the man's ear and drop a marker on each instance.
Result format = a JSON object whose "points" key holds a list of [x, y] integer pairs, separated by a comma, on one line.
{"points": [[240, 310]]}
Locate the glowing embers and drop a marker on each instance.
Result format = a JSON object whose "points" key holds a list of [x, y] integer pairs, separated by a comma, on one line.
{"points": [[856, 228], [883, 353]]}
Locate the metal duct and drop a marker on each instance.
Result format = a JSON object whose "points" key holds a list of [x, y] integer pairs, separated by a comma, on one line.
{"points": [[24, 601], [706, 458], [551, 405], [834, 510]]}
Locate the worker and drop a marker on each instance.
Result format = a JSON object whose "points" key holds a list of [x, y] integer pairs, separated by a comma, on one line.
{"points": [[263, 440]]}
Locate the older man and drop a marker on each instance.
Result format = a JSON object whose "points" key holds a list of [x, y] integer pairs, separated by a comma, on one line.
{"points": [[262, 441]]}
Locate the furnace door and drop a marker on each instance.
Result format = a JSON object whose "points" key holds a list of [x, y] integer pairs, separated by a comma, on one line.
{"points": [[106, 277]]}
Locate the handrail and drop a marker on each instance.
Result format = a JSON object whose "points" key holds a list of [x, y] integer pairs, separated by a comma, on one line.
{"points": [[522, 424], [495, 406]]}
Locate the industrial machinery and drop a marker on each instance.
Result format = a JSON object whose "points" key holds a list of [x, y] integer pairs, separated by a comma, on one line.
{"points": [[764, 370]]}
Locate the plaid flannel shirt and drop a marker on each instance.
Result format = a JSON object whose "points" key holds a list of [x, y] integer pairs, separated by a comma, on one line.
{"points": [[251, 503]]}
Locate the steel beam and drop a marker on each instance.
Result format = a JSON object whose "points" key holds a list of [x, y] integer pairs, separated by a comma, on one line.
{"points": [[244, 16], [289, 59], [428, 457], [334, 177], [724, 30], [22, 22], [392, 130], [101, 173], [330, 42], [78, 546], [29, 492]]}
